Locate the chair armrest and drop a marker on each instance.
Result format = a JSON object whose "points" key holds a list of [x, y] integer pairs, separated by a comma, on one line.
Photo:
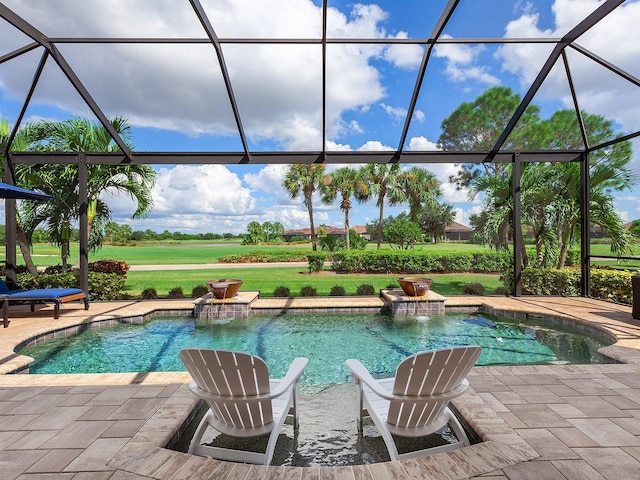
{"points": [[296, 369], [360, 372]]}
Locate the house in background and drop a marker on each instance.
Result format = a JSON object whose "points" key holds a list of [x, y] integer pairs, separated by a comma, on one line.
{"points": [[454, 232], [334, 231], [457, 232]]}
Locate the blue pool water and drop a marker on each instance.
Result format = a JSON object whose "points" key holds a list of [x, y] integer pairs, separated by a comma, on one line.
{"points": [[379, 341]]}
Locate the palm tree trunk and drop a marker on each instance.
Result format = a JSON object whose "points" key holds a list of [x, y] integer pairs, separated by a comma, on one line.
{"points": [[24, 249], [64, 254], [380, 219], [314, 245], [346, 228]]}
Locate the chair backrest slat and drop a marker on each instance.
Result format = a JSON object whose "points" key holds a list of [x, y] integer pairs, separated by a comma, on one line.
{"points": [[428, 373], [238, 377]]}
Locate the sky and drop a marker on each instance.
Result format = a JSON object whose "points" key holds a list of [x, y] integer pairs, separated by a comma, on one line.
{"points": [[174, 98]]}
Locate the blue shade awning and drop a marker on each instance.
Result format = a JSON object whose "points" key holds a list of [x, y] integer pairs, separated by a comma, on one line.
{"points": [[17, 193]]}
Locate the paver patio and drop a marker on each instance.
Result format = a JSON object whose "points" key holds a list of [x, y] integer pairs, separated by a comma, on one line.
{"points": [[536, 422]]}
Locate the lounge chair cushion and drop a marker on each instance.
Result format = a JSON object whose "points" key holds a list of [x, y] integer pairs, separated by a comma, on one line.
{"points": [[56, 295]]}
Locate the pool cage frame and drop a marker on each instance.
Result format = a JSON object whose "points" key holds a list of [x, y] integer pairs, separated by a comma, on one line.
{"points": [[247, 156]]}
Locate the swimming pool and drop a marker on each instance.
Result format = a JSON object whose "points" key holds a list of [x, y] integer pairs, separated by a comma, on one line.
{"points": [[379, 341]]}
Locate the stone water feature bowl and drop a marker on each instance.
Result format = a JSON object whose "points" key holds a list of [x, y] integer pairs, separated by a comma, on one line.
{"points": [[415, 286], [224, 288]]}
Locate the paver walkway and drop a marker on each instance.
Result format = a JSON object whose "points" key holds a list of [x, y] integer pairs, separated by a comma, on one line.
{"points": [[536, 422]]}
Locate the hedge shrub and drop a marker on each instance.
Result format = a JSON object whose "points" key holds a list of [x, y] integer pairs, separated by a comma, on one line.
{"points": [[546, 281], [420, 261], [266, 256], [606, 283], [109, 266], [102, 286], [316, 261], [611, 284], [199, 291]]}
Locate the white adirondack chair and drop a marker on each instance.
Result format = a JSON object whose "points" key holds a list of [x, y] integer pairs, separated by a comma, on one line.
{"points": [[415, 402], [243, 401]]}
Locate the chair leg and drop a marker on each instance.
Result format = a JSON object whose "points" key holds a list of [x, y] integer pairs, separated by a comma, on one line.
{"points": [[296, 419], [197, 436], [456, 426], [359, 405]]}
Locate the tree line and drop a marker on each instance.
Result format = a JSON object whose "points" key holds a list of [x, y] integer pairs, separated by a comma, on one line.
{"points": [[385, 183], [550, 192]]}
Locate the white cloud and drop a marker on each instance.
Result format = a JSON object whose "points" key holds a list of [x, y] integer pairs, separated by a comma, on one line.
{"points": [[179, 87], [397, 114], [460, 61], [268, 179], [599, 91], [421, 143], [208, 197], [408, 57], [374, 145]]}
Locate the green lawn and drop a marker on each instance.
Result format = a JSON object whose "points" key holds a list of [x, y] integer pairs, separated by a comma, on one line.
{"points": [[191, 252], [203, 252], [266, 280]]}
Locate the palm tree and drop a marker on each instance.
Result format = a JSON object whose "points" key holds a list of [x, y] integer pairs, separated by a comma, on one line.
{"points": [[347, 182], [420, 187], [82, 135], [381, 180], [305, 179], [24, 218]]}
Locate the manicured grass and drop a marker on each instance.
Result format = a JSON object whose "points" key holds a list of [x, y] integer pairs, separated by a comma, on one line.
{"points": [[266, 280], [189, 253]]}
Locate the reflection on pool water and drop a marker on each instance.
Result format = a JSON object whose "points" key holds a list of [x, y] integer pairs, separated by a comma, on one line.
{"points": [[379, 341]]}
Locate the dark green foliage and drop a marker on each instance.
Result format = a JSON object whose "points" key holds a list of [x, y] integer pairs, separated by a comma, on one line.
{"points": [[102, 286], [546, 281], [365, 289], [106, 286], [474, 288], [308, 291], [199, 291], [176, 292], [573, 257], [337, 291], [330, 243], [316, 261], [500, 291], [402, 233], [420, 261], [612, 284], [282, 291], [356, 242], [149, 294]]}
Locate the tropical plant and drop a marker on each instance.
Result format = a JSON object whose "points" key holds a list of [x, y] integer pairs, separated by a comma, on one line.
{"points": [[347, 182], [421, 188], [381, 182], [305, 179], [434, 218], [23, 225], [549, 193], [255, 235], [477, 125], [402, 233], [61, 181]]}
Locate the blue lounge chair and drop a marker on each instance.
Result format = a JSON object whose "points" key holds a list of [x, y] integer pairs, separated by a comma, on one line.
{"points": [[57, 296]]}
